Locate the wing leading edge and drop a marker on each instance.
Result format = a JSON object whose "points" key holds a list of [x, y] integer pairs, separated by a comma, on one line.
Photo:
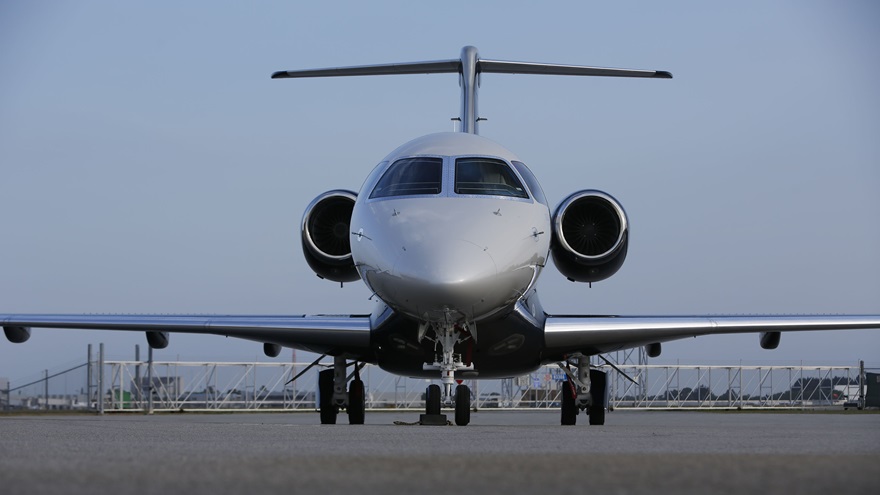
{"points": [[323, 334], [601, 334]]}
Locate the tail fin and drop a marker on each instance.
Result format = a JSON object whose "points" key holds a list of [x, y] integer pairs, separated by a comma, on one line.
{"points": [[469, 66]]}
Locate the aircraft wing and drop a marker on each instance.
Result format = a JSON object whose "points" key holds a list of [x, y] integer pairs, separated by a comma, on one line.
{"points": [[323, 334], [601, 334]]}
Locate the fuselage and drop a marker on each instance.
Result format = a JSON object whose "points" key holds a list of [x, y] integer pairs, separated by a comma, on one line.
{"points": [[449, 228]]}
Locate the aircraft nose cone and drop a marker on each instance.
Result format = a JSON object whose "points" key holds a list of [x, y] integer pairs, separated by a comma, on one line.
{"points": [[445, 263], [437, 278]]}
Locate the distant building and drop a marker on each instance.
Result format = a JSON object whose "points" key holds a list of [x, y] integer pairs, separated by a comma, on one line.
{"points": [[165, 389], [4, 398], [872, 394], [72, 402]]}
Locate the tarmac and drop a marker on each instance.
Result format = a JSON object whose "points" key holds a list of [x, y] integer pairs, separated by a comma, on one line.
{"points": [[500, 451]]}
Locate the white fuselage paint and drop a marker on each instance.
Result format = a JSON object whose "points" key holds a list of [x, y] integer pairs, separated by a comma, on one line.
{"points": [[445, 257]]}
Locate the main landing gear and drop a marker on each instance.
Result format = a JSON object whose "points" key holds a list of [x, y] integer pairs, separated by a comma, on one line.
{"points": [[333, 397], [584, 389], [448, 362]]}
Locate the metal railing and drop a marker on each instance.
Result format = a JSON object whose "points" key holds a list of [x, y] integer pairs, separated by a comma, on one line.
{"points": [[735, 386], [266, 386], [139, 385]]}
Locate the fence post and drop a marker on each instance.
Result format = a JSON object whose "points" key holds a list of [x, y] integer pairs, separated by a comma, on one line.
{"points": [[89, 376], [861, 385], [100, 394], [137, 377], [150, 380]]}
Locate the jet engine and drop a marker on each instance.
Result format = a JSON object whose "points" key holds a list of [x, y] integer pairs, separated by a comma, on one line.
{"points": [[325, 236], [590, 236]]}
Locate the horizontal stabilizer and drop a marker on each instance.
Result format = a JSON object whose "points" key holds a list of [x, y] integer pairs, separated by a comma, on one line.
{"points": [[469, 66], [486, 66], [434, 67], [507, 67]]}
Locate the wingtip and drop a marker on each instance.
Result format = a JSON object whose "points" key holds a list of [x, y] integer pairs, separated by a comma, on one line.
{"points": [[279, 75], [662, 74]]}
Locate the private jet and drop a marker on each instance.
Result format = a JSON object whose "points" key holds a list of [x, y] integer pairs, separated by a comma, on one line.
{"points": [[450, 233]]}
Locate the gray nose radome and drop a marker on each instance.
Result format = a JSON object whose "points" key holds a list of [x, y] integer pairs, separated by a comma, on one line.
{"points": [[443, 277], [446, 263]]}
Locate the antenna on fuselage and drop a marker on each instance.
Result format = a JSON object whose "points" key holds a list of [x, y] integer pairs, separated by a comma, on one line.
{"points": [[469, 66]]}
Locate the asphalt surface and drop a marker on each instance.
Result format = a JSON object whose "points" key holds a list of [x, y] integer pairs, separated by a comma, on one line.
{"points": [[513, 452]]}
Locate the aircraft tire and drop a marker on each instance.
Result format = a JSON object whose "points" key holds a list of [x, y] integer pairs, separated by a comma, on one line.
{"points": [[325, 389], [596, 411], [432, 400], [569, 409], [357, 402], [597, 415], [462, 405]]}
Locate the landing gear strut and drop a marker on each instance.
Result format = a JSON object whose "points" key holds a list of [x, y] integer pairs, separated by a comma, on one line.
{"points": [[584, 389]]}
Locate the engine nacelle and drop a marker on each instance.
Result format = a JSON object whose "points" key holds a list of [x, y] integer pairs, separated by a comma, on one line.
{"points": [[590, 236], [326, 242], [17, 335]]}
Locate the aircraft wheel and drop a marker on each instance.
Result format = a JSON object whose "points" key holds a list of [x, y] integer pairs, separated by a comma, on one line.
{"points": [[325, 390], [569, 409], [462, 405], [432, 400], [597, 415], [596, 411], [357, 402]]}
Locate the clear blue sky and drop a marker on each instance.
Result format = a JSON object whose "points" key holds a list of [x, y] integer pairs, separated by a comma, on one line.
{"points": [[149, 164]]}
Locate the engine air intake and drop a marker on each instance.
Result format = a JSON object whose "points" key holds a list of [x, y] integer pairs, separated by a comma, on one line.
{"points": [[590, 236], [326, 235], [591, 226]]}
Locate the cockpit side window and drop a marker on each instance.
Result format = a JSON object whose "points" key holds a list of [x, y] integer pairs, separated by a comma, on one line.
{"points": [[531, 181], [487, 176], [409, 177]]}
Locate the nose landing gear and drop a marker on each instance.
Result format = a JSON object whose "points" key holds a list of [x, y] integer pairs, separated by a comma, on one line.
{"points": [[448, 363], [434, 402]]}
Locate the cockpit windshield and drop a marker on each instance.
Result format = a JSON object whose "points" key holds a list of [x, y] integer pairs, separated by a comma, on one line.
{"points": [[487, 176], [411, 176]]}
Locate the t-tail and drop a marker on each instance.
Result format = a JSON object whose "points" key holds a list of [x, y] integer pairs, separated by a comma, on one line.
{"points": [[469, 66]]}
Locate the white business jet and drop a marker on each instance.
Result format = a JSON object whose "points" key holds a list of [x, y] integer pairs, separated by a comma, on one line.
{"points": [[450, 232]]}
